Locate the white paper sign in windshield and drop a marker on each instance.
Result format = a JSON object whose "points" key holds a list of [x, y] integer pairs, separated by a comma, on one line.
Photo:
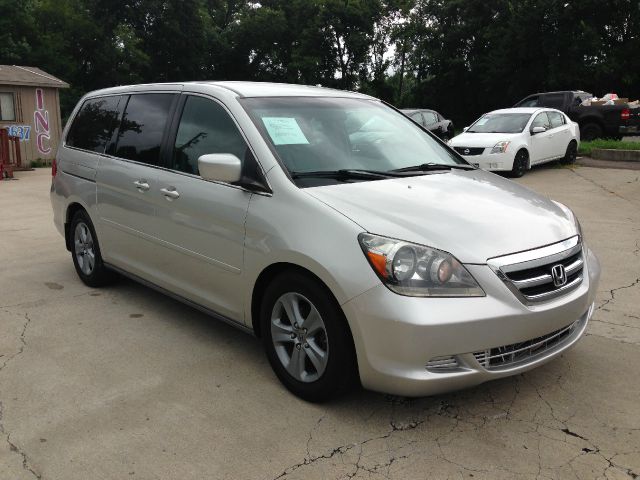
{"points": [[284, 131]]}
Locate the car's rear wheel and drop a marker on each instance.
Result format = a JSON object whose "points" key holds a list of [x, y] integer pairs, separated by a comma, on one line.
{"points": [[306, 338], [520, 164], [571, 154], [85, 251], [590, 131]]}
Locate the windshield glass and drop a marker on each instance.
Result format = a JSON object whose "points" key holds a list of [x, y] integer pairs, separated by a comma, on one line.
{"points": [[500, 123], [328, 134]]}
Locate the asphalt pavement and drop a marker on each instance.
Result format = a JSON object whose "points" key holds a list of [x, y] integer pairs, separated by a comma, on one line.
{"points": [[123, 382]]}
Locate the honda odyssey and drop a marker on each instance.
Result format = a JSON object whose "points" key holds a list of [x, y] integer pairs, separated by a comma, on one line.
{"points": [[357, 245]]}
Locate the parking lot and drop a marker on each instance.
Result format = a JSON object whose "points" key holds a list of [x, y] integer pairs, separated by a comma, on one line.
{"points": [[124, 382]]}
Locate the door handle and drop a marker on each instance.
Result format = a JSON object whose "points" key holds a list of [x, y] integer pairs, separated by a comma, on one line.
{"points": [[141, 185], [170, 193]]}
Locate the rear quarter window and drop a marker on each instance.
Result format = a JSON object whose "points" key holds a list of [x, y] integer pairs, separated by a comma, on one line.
{"points": [[93, 126]]}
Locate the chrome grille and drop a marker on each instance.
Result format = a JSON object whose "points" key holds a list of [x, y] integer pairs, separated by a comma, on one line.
{"points": [[530, 274], [468, 151], [509, 355]]}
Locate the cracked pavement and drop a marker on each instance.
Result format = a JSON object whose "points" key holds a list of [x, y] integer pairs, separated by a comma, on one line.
{"points": [[124, 382]]}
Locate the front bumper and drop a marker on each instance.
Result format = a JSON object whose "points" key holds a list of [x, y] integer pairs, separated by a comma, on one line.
{"points": [[395, 336], [491, 161]]}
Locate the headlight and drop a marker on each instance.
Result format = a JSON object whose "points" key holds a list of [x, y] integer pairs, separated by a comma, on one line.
{"points": [[576, 222], [500, 147], [417, 271], [578, 227]]}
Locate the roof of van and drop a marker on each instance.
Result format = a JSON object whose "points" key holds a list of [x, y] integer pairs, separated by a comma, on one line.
{"points": [[251, 89], [266, 89]]}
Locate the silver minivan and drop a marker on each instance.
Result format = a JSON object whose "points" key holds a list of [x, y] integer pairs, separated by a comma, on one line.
{"points": [[357, 245]]}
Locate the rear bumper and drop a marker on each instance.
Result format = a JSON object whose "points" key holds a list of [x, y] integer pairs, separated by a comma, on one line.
{"points": [[629, 130], [397, 336]]}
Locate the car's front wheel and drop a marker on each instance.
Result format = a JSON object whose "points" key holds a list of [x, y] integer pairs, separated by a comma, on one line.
{"points": [[520, 164], [306, 338]]}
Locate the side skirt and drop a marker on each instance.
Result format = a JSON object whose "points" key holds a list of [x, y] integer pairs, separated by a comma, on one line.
{"points": [[181, 299]]}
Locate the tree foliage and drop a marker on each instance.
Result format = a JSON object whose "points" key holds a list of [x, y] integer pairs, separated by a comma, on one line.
{"points": [[462, 57]]}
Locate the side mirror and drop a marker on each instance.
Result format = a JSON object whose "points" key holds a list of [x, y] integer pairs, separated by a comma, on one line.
{"points": [[536, 130], [220, 167], [465, 129]]}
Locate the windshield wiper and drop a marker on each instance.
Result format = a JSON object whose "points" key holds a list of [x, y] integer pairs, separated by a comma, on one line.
{"points": [[344, 174], [425, 167]]}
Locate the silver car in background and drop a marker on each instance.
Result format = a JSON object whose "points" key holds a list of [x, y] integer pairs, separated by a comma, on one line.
{"points": [[358, 246]]}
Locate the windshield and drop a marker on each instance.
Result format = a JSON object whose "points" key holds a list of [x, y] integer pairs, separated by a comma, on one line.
{"points": [[329, 134], [500, 123]]}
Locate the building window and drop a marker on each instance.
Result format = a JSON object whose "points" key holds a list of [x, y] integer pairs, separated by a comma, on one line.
{"points": [[7, 109]]}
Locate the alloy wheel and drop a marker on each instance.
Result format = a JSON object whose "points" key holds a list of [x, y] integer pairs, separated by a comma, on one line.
{"points": [[299, 337], [84, 248]]}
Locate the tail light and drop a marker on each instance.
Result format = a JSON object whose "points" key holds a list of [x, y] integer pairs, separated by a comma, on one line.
{"points": [[54, 168], [625, 114]]}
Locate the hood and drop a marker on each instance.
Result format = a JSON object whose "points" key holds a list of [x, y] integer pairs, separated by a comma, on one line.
{"points": [[485, 140], [474, 215]]}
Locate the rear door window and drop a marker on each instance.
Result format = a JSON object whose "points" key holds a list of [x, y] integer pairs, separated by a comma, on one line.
{"points": [[93, 126], [142, 127], [556, 119], [553, 100]]}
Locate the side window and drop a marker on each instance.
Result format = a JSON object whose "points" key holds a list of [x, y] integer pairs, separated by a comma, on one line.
{"points": [[417, 117], [142, 127], [205, 127], [532, 101], [541, 120], [430, 118], [553, 100], [93, 126], [7, 107], [556, 119]]}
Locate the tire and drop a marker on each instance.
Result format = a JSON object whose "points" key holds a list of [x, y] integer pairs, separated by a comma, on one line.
{"points": [[313, 354], [520, 164], [571, 154], [590, 131], [85, 252]]}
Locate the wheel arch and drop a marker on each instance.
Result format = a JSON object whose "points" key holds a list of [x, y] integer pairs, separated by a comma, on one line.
{"points": [[264, 279], [71, 210], [591, 119], [524, 148]]}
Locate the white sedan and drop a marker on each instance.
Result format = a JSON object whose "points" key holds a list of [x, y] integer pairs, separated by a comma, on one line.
{"points": [[515, 139]]}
